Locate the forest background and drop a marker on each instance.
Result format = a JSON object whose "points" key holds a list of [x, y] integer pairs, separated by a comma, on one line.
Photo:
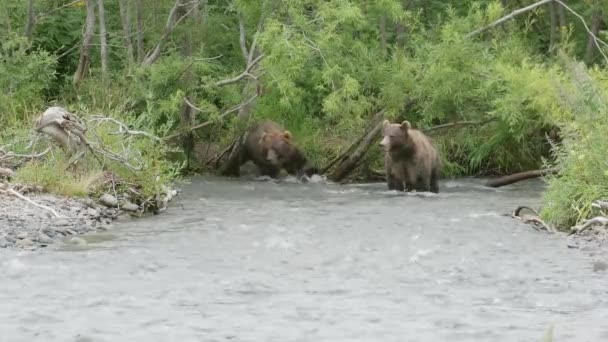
{"points": [[165, 86]]}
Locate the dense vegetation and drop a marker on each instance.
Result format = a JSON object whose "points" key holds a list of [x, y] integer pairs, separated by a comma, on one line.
{"points": [[322, 69]]}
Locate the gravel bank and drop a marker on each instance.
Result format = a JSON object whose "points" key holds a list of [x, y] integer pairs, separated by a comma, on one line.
{"points": [[26, 226]]}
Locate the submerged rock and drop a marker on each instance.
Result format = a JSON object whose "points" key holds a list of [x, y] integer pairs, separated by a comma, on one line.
{"points": [[77, 241]]}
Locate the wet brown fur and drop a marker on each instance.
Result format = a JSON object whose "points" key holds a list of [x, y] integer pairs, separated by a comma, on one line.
{"points": [[271, 148], [411, 161]]}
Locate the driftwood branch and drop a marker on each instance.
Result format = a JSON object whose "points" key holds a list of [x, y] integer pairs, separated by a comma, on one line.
{"points": [[517, 177], [599, 220], [603, 205], [20, 196]]}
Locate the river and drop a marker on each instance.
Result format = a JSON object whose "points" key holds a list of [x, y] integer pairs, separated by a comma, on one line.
{"points": [[243, 260]]}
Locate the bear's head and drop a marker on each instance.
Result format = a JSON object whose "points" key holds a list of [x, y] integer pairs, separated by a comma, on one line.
{"points": [[278, 147], [394, 135]]}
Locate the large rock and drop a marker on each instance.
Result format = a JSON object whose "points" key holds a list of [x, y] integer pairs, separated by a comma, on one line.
{"points": [[128, 206], [108, 200]]}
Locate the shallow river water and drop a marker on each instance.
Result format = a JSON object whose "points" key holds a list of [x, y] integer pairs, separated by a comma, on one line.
{"points": [[264, 261]]}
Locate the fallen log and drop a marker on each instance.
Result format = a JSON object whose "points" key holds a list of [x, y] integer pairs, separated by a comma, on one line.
{"points": [[350, 162], [517, 177]]}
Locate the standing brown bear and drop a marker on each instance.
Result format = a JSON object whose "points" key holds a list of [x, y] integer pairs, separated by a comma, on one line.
{"points": [[411, 161], [271, 148]]}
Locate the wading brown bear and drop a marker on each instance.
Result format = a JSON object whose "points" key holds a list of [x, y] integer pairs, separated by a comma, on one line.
{"points": [[411, 161], [271, 148]]}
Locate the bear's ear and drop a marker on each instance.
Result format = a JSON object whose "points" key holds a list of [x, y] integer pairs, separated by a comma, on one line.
{"points": [[405, 125], [385, 123], [287, 135], [263, 137]]}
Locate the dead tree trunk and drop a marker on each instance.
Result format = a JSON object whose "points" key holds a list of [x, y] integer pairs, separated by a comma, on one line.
{"points": [[351, 161], [103, 38], [518, 177], [561, 15], [85, 50], [31, 20], [125, 19], [554, 29], [172, 21], [596, 23], [139, 17]]}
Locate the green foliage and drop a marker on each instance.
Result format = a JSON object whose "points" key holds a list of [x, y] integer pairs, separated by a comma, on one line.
{"points": [[24, 77], [583, 154]]}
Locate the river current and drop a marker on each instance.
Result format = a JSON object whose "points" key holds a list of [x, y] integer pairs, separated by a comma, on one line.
{"points": [[251, 260]]}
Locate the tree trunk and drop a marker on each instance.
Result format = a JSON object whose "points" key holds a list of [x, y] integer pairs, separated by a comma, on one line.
{"points": [[187, 113], [31, 20], [561, 14], [518, 177], [125, 19], [140, 31], [553, 30], [382, 29], [596, 24], [85, 49], [103, 37]]}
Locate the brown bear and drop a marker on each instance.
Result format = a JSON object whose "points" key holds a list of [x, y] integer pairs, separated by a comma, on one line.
{"points": [[271, 148], [410, 160]]}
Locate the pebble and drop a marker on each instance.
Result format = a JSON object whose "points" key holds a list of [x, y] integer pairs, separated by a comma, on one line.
{"points": [[78, 241], [22, 235], [3, 243], [92, 212], [61, 222], [44, 239], [600, 266], [24, 243], [108, 200]]}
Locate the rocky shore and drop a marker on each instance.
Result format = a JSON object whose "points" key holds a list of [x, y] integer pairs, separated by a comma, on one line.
{"points": [[30, 226]]}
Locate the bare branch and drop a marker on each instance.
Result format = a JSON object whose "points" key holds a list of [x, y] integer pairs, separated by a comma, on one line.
{"points": [[244, 74], [596, 40], [457, 123], [172, 22], [509, 17], [11, 155], [207, 123], [59, 8], [123, 129]]}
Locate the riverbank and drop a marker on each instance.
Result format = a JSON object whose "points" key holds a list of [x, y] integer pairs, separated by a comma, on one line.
{"points": [[37, 219]]}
